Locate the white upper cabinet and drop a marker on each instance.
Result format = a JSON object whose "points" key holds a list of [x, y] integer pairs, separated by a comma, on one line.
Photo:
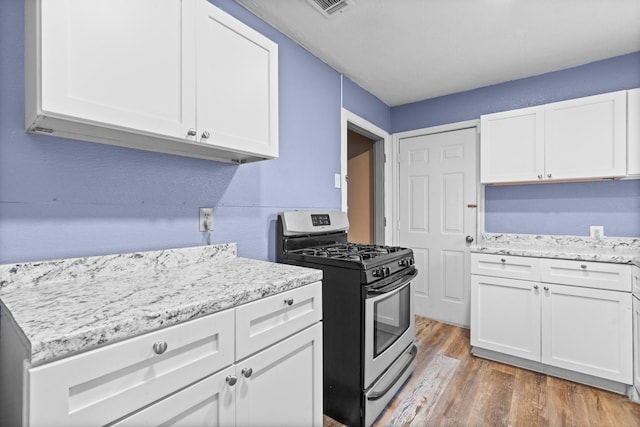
{"points": [[633, 132], [512, 147], [578, 139], [586, 137], [237, 71], [174, 76]]}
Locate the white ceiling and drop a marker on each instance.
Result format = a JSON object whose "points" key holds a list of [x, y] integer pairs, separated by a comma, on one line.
{"points": [[404, 51]]}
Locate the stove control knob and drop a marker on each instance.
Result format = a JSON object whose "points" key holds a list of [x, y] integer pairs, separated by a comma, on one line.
{"points": [[403, 262], [411, 261], [387, 271], [376, 272]]}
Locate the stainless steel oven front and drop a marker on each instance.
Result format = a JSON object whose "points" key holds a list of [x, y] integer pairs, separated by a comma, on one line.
{"points": [[389, 325]]}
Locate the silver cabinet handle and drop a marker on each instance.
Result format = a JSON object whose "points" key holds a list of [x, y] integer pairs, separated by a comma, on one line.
{"points": [[536, 287], [192, 132], [548, 175], [583, 266], [539, 176], [546, 288], [247, 372], [232, 380], [288, 301], [469, 239], [159, 347], [205, 134], [503, 260]]}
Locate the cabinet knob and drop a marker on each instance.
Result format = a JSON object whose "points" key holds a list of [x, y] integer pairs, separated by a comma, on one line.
{"points": [[548, 175], [469, 239], [232, 380], [247, 372], [536, 287], [540, 176], [192, 132], [546, 288], [205, 134], [160, 347], [583, 266], [288, 301], [503, 260]]}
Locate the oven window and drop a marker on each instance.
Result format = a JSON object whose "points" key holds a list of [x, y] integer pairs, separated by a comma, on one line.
{"points": [[391, 319]]}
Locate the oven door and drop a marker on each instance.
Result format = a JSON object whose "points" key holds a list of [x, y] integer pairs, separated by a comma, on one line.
{"points": [[389, 324]]}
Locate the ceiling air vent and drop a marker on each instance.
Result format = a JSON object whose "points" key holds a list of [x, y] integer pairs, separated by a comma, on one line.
{"points": [[330, 7]]}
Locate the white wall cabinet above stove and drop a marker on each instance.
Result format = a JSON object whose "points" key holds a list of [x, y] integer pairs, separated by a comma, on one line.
{"points": [[578, 139], [566, 314], [179, 77]]}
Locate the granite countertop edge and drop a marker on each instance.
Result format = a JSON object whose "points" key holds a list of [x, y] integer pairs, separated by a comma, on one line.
{"points": [[66, 307], [580, 248]]}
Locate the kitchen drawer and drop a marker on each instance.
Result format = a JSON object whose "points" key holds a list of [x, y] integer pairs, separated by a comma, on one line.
{"points": [[601, 275], [103, 385], [511, 267], [262, 323]]}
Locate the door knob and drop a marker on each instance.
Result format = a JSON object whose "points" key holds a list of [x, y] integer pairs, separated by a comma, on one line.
{"points": [[191, 132], [469, 239]]}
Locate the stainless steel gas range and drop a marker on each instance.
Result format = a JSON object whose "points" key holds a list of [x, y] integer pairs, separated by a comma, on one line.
{"points": [[368, 317]]}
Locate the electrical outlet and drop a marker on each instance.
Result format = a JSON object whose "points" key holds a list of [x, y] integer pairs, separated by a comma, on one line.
{"points": [[597, 231], [206, 219]]}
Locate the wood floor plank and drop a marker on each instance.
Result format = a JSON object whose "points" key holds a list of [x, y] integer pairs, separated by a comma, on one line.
{"points": [[481, 392]]}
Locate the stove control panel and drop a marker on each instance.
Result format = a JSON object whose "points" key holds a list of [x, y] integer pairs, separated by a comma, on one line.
{"points": [[406, 262], [381, 272]]}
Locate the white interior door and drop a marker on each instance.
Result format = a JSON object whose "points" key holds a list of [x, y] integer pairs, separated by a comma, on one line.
{"points": [[436, 212]]}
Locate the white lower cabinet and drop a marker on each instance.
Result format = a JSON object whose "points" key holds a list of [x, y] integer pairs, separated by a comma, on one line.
{"points": [[191, 374], [582, 329], [282, 385], [588, 331], [505, 316], [636, 346]]}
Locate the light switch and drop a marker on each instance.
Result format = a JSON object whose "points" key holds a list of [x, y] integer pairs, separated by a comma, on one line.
{"points": [[337, 180]]}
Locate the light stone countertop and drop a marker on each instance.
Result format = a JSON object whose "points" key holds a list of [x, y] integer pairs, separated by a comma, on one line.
{"points": [[67, 306], [608, 249]]}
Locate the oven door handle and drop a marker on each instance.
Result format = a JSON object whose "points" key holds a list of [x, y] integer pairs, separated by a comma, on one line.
{"points": [[394, 285], [378, 394]]}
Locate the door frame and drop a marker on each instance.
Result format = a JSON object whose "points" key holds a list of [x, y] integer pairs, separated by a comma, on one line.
{"points": [[395, 174], [383, 191]]}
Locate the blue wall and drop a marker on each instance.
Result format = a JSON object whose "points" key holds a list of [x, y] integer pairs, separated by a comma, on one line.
{"points": [[558, 209], [64, 198]]}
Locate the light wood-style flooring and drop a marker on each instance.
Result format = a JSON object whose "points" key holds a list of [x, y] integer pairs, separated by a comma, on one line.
{"points": [[450, 387]]}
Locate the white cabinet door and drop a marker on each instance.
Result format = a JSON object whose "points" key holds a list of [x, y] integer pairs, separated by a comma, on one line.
{"points": [[512, 146], [505, 316], [636, 344], [586, 137], [119, 63], [237, 84], [588, 330], [282, 385], [208, 403], [633, 132]]}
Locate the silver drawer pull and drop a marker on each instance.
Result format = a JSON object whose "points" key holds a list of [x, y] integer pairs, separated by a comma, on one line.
{"points": [[584, 266], [247, 372], [232, 380], [503, 260], [546, 288], [192, 132], [160, 347], [288, 301], [536, 287]]}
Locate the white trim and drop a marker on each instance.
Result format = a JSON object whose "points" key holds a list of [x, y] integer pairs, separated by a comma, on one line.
{"points": [[349, 117], [395, 172]]}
